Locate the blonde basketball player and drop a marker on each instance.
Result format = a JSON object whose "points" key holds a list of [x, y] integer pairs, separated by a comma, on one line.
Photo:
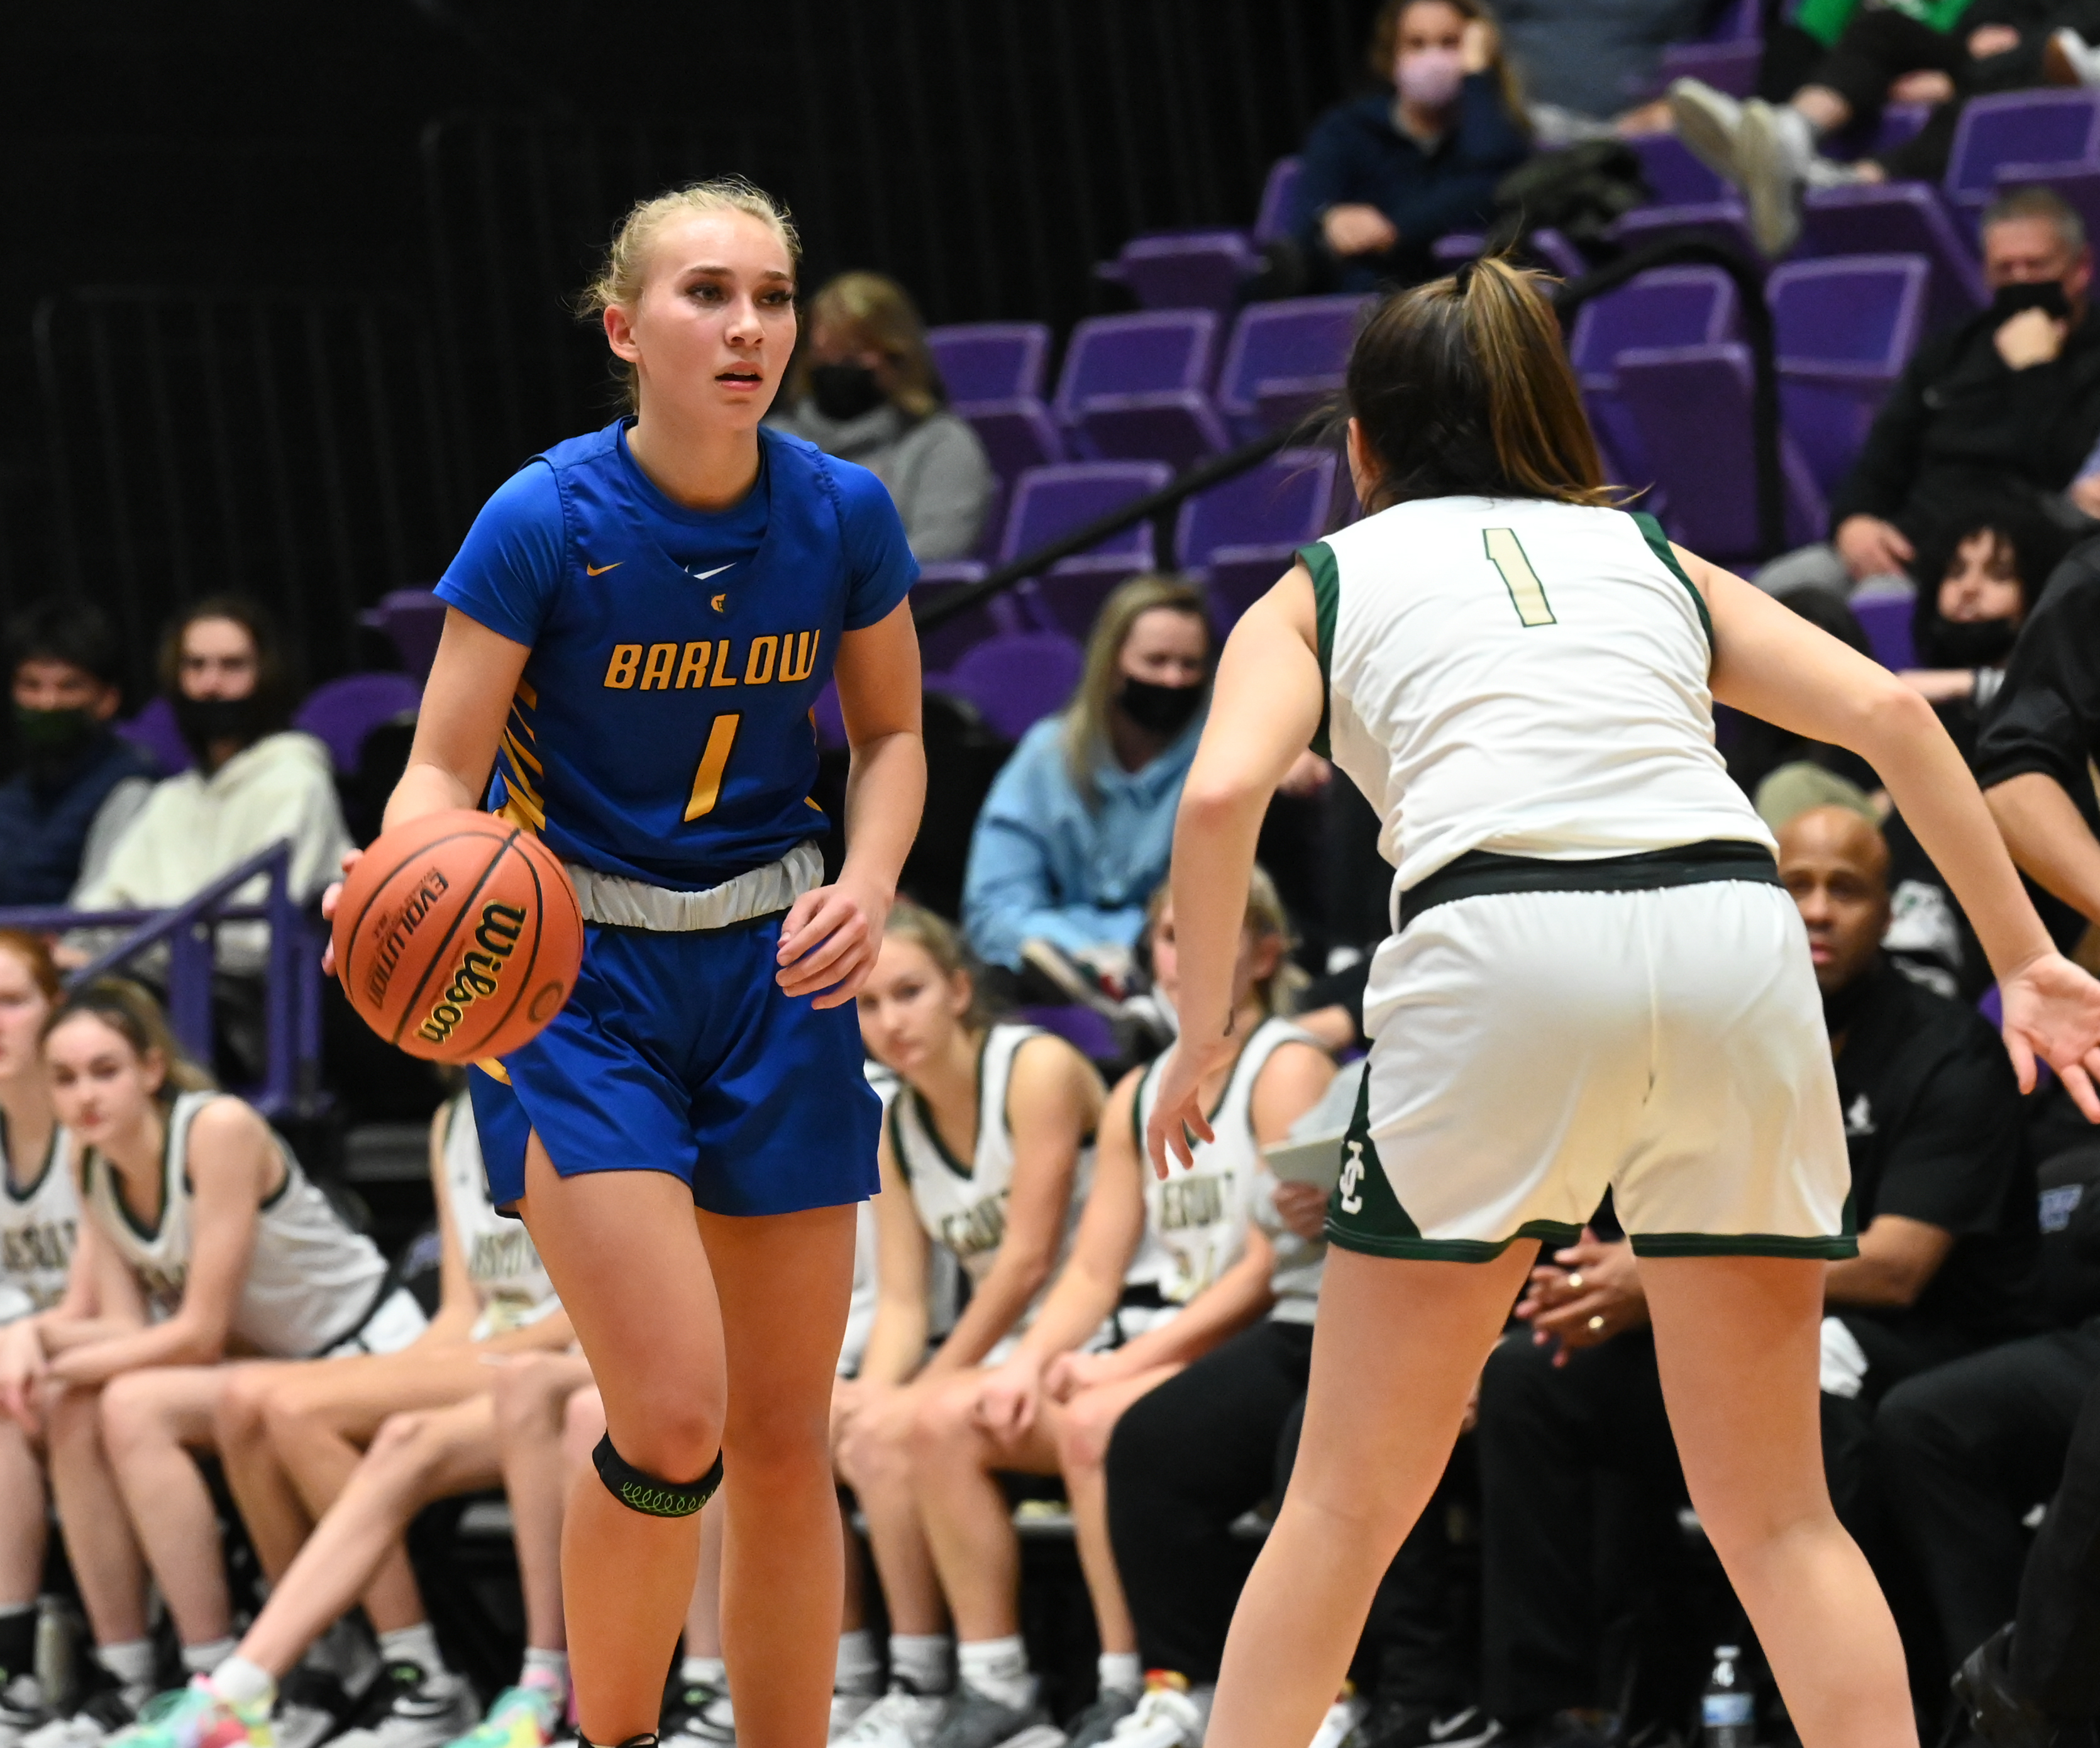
{"points": [[1596, 979]]}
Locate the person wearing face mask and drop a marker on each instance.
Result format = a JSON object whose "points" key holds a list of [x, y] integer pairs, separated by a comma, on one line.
{"points": [[1384, 176], [866, 391], [78, 784], [1077, 827]]}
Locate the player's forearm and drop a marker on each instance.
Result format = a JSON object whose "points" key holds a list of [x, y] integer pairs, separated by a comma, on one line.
{"points": [[1222, 1310], [2048, 838], [1215, 833], [1077, 1306], [885, 793], [178, 1342]]}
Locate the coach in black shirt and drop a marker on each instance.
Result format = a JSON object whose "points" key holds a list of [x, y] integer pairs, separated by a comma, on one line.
{"points": [[1945, 1206]]}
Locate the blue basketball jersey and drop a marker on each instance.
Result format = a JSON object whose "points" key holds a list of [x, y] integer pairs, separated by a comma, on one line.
{"points": [[662, 729]]}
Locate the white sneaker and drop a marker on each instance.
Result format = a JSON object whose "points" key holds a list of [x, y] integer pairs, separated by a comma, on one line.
{"points": [[100, 1716], [2069, 59], [1165, 1718], [1709, 123], [901, 1718], [426, 1711], [1772, 179], [1340, 1725], [847, 1709], [303, 1726], [22, 1709]]}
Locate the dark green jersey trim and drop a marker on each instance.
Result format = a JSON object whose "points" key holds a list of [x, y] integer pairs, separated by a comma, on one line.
{"points": [[1658, 543], [1837, 1249], [1319, 561], [1350, 1237]]}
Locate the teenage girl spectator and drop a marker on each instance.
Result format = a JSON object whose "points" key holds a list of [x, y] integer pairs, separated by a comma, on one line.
{"points": [[1384, 176], [79, 784], [865, 390], [293, 1437], [235, 1252], [1178, 1266], [1077, 827], [986, 1154]]}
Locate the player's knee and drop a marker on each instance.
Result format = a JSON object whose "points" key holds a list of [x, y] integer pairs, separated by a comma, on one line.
{"points": [[240, 1415], [675, 1440], [1083, 1433], [944, 1427], [524, 1396], [659, 1493], [131, 1420], [788, 1442], [404, 1441]]}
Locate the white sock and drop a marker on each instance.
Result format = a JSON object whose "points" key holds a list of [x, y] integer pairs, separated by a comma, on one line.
{"points": [[247, 1684], [131, 1662], [1121, 1672], [860, 1668], [416, 1644], [997, 1668], [549, 1669], [709, 1671], [201, 1659], [922, 1661]]}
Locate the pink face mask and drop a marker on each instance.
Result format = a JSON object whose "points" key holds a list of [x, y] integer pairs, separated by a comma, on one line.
{"points": [[1429, 77]]}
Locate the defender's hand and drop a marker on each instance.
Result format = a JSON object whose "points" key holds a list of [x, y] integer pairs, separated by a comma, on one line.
{"points": [[2053, 1011], [1179, 1113]]}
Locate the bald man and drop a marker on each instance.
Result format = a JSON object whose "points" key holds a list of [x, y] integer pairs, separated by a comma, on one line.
{"points": [[1945, 1203]]}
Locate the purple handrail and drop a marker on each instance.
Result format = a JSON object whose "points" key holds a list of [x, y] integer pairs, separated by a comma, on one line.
{"points": [[291, 1080]]}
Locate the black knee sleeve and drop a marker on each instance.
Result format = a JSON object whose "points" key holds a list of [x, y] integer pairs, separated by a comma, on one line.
{"points": [[646, 1493]]}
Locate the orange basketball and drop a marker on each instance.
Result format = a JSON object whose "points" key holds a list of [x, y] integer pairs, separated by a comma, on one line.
{"points": [[458, 937]]}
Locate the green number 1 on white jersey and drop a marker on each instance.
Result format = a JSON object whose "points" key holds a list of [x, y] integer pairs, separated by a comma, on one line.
{"points": [[1506, 552]]}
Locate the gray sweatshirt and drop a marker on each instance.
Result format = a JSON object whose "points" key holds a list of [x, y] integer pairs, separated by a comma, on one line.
{"points": [[935, 468]]}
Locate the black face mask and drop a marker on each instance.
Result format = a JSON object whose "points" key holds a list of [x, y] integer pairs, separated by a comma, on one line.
{"points": [[2045, 294], [203, 720], [1974, 643], [50, 739], [1163, 710], [844, 391]]}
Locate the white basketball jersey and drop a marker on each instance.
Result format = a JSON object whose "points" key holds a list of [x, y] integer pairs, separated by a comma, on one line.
{"points": [[37, 1228], [1524, 677], [508, 1280], [962, 1204], [1196, 1221], [311, 1281]]}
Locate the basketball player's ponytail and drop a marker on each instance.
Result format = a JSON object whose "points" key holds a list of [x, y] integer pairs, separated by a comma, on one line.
{"points": [[1463, 388]]}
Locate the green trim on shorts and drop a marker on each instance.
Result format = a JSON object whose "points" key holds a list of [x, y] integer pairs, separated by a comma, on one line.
{"points": [[1449, 1249], [1837, 1249], [1319, 562], [1658, 543]]}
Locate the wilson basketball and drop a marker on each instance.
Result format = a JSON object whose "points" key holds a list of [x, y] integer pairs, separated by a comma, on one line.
{"points": [[458, 937]]}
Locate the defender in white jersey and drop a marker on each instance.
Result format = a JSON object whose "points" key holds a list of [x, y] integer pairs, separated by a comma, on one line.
{"points": [[986, 1153], [1171, 1269], [1593, 979]]}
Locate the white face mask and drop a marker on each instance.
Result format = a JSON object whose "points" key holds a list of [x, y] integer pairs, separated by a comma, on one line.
{"points": [[1429, 77]]}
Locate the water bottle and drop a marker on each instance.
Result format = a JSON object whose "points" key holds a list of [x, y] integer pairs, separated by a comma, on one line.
{"points": [[1727, 1709]]}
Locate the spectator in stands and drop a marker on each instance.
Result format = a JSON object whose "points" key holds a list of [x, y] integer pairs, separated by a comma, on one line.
{"points": [[1384, 176], [1077, 827], [1173, 1270], [865, 390], [1590, 70], [293, 1439], [80, 784], [1945, 1204], [233, 1249], [1882, 54], [984, 1143], [2008, 404]]}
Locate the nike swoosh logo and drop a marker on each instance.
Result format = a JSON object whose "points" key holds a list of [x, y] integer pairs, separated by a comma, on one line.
{"points": [[599, 569], [701, 577], [1443, 1729]]}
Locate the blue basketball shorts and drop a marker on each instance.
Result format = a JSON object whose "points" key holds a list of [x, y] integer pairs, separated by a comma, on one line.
{"points": [[679, 1052]]}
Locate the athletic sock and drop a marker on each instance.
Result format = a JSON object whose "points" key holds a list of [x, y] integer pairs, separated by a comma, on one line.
{"points": [[1797, 136], [997, 1668], [921, 1660], [416, 1644], [1120, 1672], [860, 1668], [18, 1640], [131, 1662], [249, 1685], [201, 1659], [546, 1669], [703, 1672]]}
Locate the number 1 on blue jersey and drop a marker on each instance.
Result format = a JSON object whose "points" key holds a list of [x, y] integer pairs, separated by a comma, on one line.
{"points": [[714, 760]]}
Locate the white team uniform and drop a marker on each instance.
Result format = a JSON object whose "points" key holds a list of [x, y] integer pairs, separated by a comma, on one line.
{"points": [[510, 1281], [963, 1206], [1196, 1221], [1610, 987], [314, 1286], [37, 1228]]}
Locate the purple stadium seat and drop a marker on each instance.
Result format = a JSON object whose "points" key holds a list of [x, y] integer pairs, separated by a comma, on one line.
{"points": [[1691, 306], [991, 360], [1242, 535], [2078, 183], [1900, 124], [1552, 250], [1016, 681], [1190, 270], [1086, 1031], [1846, 327], [1886, 619], [2018, 127], [1727, 58], [1279, 202], [1133, 387], [1692, 404], [1459, 245], [1899, 217], [154, 732], [1052, 501], [1017, 434], [1722, 220], [1286, 359], [1675, 176], [413, 619], [341, 712]]}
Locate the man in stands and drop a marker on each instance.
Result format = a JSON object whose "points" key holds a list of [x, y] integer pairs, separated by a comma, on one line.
{"points": [[1945, 1207], [254, 782], [2007, 404], [79, 784]]}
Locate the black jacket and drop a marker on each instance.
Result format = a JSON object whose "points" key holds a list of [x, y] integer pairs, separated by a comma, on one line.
{"points": [[2046, 717], [1958, 422]]}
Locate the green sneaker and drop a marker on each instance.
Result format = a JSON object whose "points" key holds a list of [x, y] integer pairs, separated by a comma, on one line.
{"points": [[196, 1717], [521, 1717]]}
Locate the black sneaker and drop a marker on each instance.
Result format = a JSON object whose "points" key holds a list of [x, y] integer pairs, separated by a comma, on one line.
{"points": [[977, 1720], [1984, 1687], [1392, 1724], [415, 1710]]}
